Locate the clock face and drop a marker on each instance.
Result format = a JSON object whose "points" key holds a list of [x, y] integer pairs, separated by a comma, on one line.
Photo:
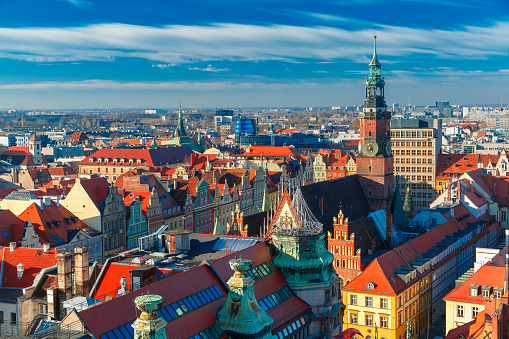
{"points": [[370, 148], [388, 148]]}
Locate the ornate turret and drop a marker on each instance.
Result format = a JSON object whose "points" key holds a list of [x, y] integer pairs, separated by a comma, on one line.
{"points": [[305, 262], [242, 317], [149, 325]]}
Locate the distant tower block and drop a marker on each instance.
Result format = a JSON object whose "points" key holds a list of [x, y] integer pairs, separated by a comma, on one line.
{"points": [[149, 325]]}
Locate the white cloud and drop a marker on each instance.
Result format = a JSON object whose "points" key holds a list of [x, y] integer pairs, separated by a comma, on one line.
{"points": [[79, 3], [177, 44], [94, 84], [209, 68]]}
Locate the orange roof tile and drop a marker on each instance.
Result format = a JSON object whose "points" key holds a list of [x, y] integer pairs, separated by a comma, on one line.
{"points": [[33, 259]]}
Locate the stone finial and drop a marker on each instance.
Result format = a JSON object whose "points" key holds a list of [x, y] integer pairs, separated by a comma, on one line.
{"points": [[242, 316], [149, 325]]}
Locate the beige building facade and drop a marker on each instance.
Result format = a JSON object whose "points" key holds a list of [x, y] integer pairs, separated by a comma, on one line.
{"points": [[416, 144]]}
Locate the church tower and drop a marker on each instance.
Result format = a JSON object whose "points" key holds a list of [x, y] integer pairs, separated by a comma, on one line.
{"points": [[375, 162]]}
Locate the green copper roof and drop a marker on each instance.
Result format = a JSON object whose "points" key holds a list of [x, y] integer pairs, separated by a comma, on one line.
{"points": [[374, 61], [180, 131], [218, 229]]}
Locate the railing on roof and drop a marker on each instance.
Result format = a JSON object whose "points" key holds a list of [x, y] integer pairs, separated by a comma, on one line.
{"points": [[114, 293]]}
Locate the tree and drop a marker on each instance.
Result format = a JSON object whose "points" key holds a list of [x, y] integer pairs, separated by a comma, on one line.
{"points": [[408, 205]]}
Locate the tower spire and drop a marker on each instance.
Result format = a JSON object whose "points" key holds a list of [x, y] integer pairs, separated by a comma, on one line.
{"points": [[180, 131]]}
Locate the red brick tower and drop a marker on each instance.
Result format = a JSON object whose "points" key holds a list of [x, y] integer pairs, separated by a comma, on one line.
{"points": [[375, 162]]}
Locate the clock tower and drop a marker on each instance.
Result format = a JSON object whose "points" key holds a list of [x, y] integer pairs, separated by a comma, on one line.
{"points": [[375, 162]]}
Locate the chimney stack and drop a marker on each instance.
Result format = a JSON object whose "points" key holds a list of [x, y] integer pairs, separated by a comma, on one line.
{"points": [[20, 268], [45, 248], [64, 276], [12, 246], [81, 271], [52, 297]]}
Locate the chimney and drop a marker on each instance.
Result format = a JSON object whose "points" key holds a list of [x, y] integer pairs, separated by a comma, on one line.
{"points": [[12, 246], [20, 268], [448, 189], [52, 297], [45, 248], [81, 271], [64, 276], [123, 287], [506, 275]]}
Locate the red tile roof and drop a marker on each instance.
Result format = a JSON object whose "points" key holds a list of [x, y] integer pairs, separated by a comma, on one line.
{"points": [[62, 171], [33, 259], [269, 151], [12, 226], [53, 220], [98, 319], [486, 275], [146, 157], [23, 149], [97, 189], [77, 136]]}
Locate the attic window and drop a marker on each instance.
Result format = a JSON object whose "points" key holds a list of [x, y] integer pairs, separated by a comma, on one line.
{"points": [[139, 161], [370, 286], [91, 160]]}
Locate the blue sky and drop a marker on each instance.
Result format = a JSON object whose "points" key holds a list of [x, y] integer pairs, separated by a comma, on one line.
{"points": [[247, 53]]}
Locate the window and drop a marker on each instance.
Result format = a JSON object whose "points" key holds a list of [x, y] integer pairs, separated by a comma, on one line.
{"points": [[498, 294], [485, 293], [353, 300], [43, 309], [383, 303], [399, 301], [369, 320], [1, 317], [353, 318], [400, 313], [383, 322], [369, 301], [13, 318], [459, 311]]}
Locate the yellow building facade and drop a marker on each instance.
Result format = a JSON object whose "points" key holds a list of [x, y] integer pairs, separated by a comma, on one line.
{"points": [[383, 302]]}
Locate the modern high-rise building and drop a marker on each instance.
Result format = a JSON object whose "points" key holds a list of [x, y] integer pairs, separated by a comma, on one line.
{"points": [[416, 144], [375, 162], [444, 108]]}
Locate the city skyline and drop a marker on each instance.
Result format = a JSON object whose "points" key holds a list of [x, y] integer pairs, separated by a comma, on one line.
{"points": [[90, 54]]}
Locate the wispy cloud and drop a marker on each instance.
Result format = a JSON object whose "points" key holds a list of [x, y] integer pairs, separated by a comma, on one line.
{"points": [[209, 68], [79, 3], [177, 44], [95, 84]]}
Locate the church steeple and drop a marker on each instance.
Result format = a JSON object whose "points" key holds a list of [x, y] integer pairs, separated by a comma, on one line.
{"points": [[375, 96], [180, 131]]}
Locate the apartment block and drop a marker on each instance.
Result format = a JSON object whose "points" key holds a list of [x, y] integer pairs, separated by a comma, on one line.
{"points": [[416, 144]]}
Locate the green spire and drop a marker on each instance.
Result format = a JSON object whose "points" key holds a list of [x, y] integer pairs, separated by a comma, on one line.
{"points": [[408, 205], [218, 228], [374, 61], [180, 131], [154, 144], [265, 201]]}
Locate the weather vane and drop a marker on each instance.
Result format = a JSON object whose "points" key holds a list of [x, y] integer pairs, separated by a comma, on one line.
{"points": [[374, 34]]}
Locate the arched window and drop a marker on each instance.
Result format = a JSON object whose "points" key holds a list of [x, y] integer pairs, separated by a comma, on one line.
{"points": [[341, 282]]}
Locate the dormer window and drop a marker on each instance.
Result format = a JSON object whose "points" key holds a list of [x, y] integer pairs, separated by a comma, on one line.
{"points": [[370, 286], [497, 292], [91, 160], [486, 291], [139, 161], [474, 290], [130, 161]]}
